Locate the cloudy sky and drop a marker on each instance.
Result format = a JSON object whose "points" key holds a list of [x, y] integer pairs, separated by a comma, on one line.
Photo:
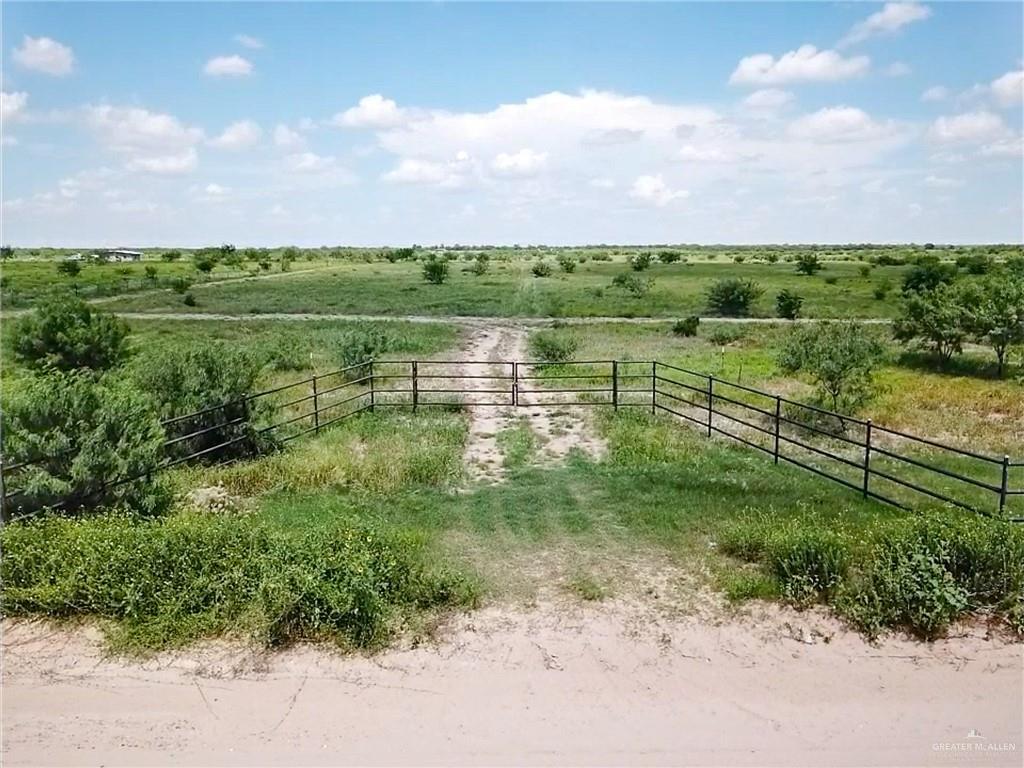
{"points": [[188, 124]]}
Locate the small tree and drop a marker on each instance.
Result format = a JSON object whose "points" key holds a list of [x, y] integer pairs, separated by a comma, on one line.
{"points": [[808, 263], [669, 257], [541, 269], [66, 333], [995, 315], [204, 261], [733, 296], [170, 255], [480, 264], [637, 286], [94, 435], [640, 261], [150, 272], [69, 268], [567, 263], [435, 270], [687, 326], [937, 318], [6, 252], [788, 304], [928, 274], [840, 358]]}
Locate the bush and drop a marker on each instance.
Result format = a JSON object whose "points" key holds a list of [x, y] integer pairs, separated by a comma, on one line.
{"points": [[772, 258], [976, 263], [938, 317], [435, 270], [839, 357], [567, 263], [788, 304], [66, 333], [927, 275], [363, 344], [669, 257], [189, 300], [150, 272], [480, 264], [201, 376], [541, 269], [733, 296], [637, 286], [167, 582], [69, 268], [882, 289], [722, 335], [553, 346], [94, 434], [687, 326], [925, 572], [640, 261], [204, 261], [181, 284], [808, 263], [831, 280], [170, 255]]}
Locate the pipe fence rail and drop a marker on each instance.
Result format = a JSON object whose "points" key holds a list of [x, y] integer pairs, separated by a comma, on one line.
{"points": [[878, 462]]}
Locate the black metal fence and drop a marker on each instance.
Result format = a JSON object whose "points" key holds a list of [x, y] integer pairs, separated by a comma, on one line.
{"points": [[879, 463]]}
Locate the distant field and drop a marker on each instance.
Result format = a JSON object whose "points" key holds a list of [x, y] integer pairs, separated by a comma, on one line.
{"points": [[509, 289]]}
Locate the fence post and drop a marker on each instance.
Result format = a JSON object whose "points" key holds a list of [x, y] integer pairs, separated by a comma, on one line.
{"points": [[372, 397], [711, 399], [867, 457], [515, 382], [1004, 487], [415, 387], [778, 423], [654, 384], [316, 408], [615, 384]]}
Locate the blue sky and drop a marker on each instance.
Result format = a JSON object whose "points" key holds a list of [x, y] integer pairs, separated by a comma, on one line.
{"points": [[329, 123]]}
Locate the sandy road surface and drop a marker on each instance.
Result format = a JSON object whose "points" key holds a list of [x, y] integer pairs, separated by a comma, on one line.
{"points": [[609, 684]]}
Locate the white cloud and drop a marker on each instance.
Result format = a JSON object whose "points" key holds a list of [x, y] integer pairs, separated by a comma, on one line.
{"points": [[935, 93], [228, 66], [1009, 89], [216, 189], [892, 17], [839, 124], [43, 54], [181, 162], [12, 105], [287, 138], [805, 64], [978, 127], [449, 174], [768, 99], [708, 154], [243, 134], [942, 182], [1005, 148], [523, 163], [602, 182], [654, 190], [373, 111], [897, 69], [309, 162], [248, 41]]}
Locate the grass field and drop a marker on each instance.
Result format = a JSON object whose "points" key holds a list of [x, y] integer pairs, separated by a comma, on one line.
{"points": [[509, 289]]}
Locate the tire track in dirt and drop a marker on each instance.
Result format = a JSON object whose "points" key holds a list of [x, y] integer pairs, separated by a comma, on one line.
{"points": [[560, 430]]}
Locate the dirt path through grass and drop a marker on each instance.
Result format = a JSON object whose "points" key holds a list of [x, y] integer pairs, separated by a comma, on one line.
{"points": [[574, 683], [559, 430]]}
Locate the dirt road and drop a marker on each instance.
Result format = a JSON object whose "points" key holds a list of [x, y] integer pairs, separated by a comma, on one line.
{"points": [[571, 684]]}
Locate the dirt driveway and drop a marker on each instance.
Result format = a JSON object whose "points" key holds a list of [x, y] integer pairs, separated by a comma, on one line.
{"points": [[569, 684]]}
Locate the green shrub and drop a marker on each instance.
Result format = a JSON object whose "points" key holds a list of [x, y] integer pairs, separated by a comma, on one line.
{"points": [[170, 256], [541, 269], [166, 582], [204, 260], [840, 358], [480, 265], [363, 344], [722, 334], [883, 288], [189, 300], [831, 280], [185, 380], [927, 275], [687, 326], [567, 263], [435, 270], [66, 333], [808, 263], [150, 271], [733, 296], [788, 304], [553, 346], [94, 435], [637, 286], [69, 268], [640, 261], [669, 257]]}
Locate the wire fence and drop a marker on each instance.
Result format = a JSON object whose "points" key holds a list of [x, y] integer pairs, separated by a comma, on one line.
{"points": [[880, 463]]}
